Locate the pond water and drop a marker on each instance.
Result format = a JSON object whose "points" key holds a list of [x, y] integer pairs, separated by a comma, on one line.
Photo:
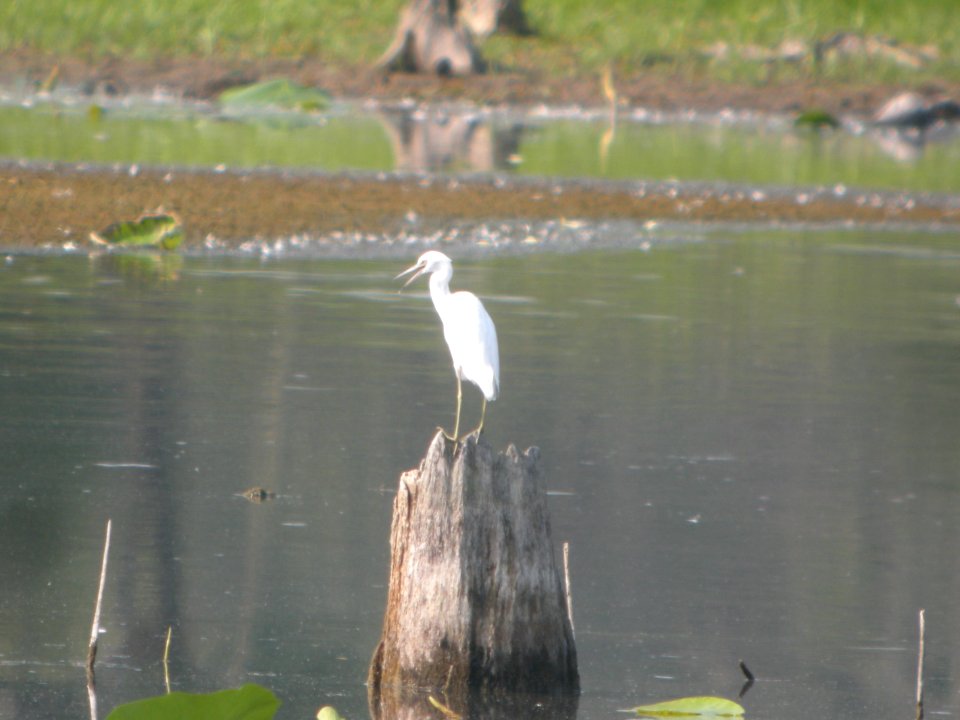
{"points": [[573, 145], [750, 439]]}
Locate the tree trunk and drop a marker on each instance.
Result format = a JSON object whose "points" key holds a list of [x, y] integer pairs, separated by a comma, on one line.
{"points": [[475, 606]]}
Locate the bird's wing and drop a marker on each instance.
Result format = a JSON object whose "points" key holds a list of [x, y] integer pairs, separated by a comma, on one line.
{"points": [[472, 339]]}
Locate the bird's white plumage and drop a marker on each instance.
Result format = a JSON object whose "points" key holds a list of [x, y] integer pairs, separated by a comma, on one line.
{"points": [[467, 327], [471, 337]]}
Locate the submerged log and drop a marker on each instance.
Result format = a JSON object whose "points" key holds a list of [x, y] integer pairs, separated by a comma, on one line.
{"points": [[475, 606]]}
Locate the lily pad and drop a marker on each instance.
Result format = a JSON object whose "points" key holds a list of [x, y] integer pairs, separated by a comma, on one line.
{"points": [[282, 93], [704, 706], [154, 229], [250, 702]]}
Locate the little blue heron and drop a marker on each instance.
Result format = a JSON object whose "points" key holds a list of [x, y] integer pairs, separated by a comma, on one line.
{"points": [[467, 328]]}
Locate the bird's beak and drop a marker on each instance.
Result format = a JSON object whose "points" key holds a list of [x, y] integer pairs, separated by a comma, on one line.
{"points": [[417, 270]]}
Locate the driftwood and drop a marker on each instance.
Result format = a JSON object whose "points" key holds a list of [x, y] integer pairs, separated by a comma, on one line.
{"points": [[475, 607]]}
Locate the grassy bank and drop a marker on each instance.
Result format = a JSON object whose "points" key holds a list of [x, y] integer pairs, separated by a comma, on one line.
{"points": [[572, 36]]}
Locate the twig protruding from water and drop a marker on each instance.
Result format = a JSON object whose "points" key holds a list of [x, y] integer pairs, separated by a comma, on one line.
{"points": [[920, 654], [166, 659], [95, 628], [566, 585], [748, 675]]}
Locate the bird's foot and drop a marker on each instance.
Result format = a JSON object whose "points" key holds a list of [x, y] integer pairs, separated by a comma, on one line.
{"points": [[447, 435]]}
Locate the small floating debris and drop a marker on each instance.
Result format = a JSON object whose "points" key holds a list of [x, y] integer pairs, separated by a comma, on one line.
{"points": [[157, 229], [258, 494], [452, 714], [328, 712]]}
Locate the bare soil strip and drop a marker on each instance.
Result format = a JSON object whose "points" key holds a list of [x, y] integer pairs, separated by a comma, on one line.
{"points": [[52, 206]]}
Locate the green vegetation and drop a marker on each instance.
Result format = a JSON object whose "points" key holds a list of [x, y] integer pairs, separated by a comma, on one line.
{"points": [[250, 702], [280, 93], [161, 230], [816, 119], [691, 707], [572, 37]]}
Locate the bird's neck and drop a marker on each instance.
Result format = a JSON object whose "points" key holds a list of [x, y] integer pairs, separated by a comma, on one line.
{"points": [[439, 291]]}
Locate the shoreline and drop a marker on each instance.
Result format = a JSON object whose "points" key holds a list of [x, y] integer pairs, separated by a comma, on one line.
{"points": [[656, 90], [57, 206]]}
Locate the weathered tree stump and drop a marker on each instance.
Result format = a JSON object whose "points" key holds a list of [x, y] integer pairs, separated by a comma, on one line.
{"points": [[475, 606], [484, 17], [431, 38]]}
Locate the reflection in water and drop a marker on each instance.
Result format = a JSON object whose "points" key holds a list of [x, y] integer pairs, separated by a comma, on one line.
{"points": [[438, 141], [909, 144], [141, 268], [750, 444], [576, 144]]}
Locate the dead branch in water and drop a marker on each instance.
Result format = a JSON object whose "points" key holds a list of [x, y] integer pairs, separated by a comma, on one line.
{"points": [[95, 627], [166, 659], [749, 676], [566, 586], [920, 654]]}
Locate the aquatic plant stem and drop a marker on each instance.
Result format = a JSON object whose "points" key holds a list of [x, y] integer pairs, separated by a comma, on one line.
{"points": [[166, 659], [566, 586], [95, 627], [920, 654], [749, 679]]}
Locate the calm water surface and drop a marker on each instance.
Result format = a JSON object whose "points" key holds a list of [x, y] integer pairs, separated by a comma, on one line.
{"points": [[751, 441], [523, 144]]}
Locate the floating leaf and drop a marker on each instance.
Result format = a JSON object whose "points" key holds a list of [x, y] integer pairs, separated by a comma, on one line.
{"points": [[328, 712], [157, 229], [250, 702], [816, 119], [702, 706], [281, 93]]}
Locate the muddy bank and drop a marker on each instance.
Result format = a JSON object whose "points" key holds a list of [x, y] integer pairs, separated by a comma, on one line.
{"points": [[657, 90], [59, 206]]}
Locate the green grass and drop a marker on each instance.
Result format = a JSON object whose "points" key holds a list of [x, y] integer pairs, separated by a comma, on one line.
{"points": [[573, 36], [339, 31]]}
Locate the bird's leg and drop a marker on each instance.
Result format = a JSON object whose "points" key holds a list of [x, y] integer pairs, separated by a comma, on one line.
{"points": [[456, 423], [483, 414]]}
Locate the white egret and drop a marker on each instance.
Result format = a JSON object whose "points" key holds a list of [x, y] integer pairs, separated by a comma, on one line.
{"points": [[467, 328]]}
